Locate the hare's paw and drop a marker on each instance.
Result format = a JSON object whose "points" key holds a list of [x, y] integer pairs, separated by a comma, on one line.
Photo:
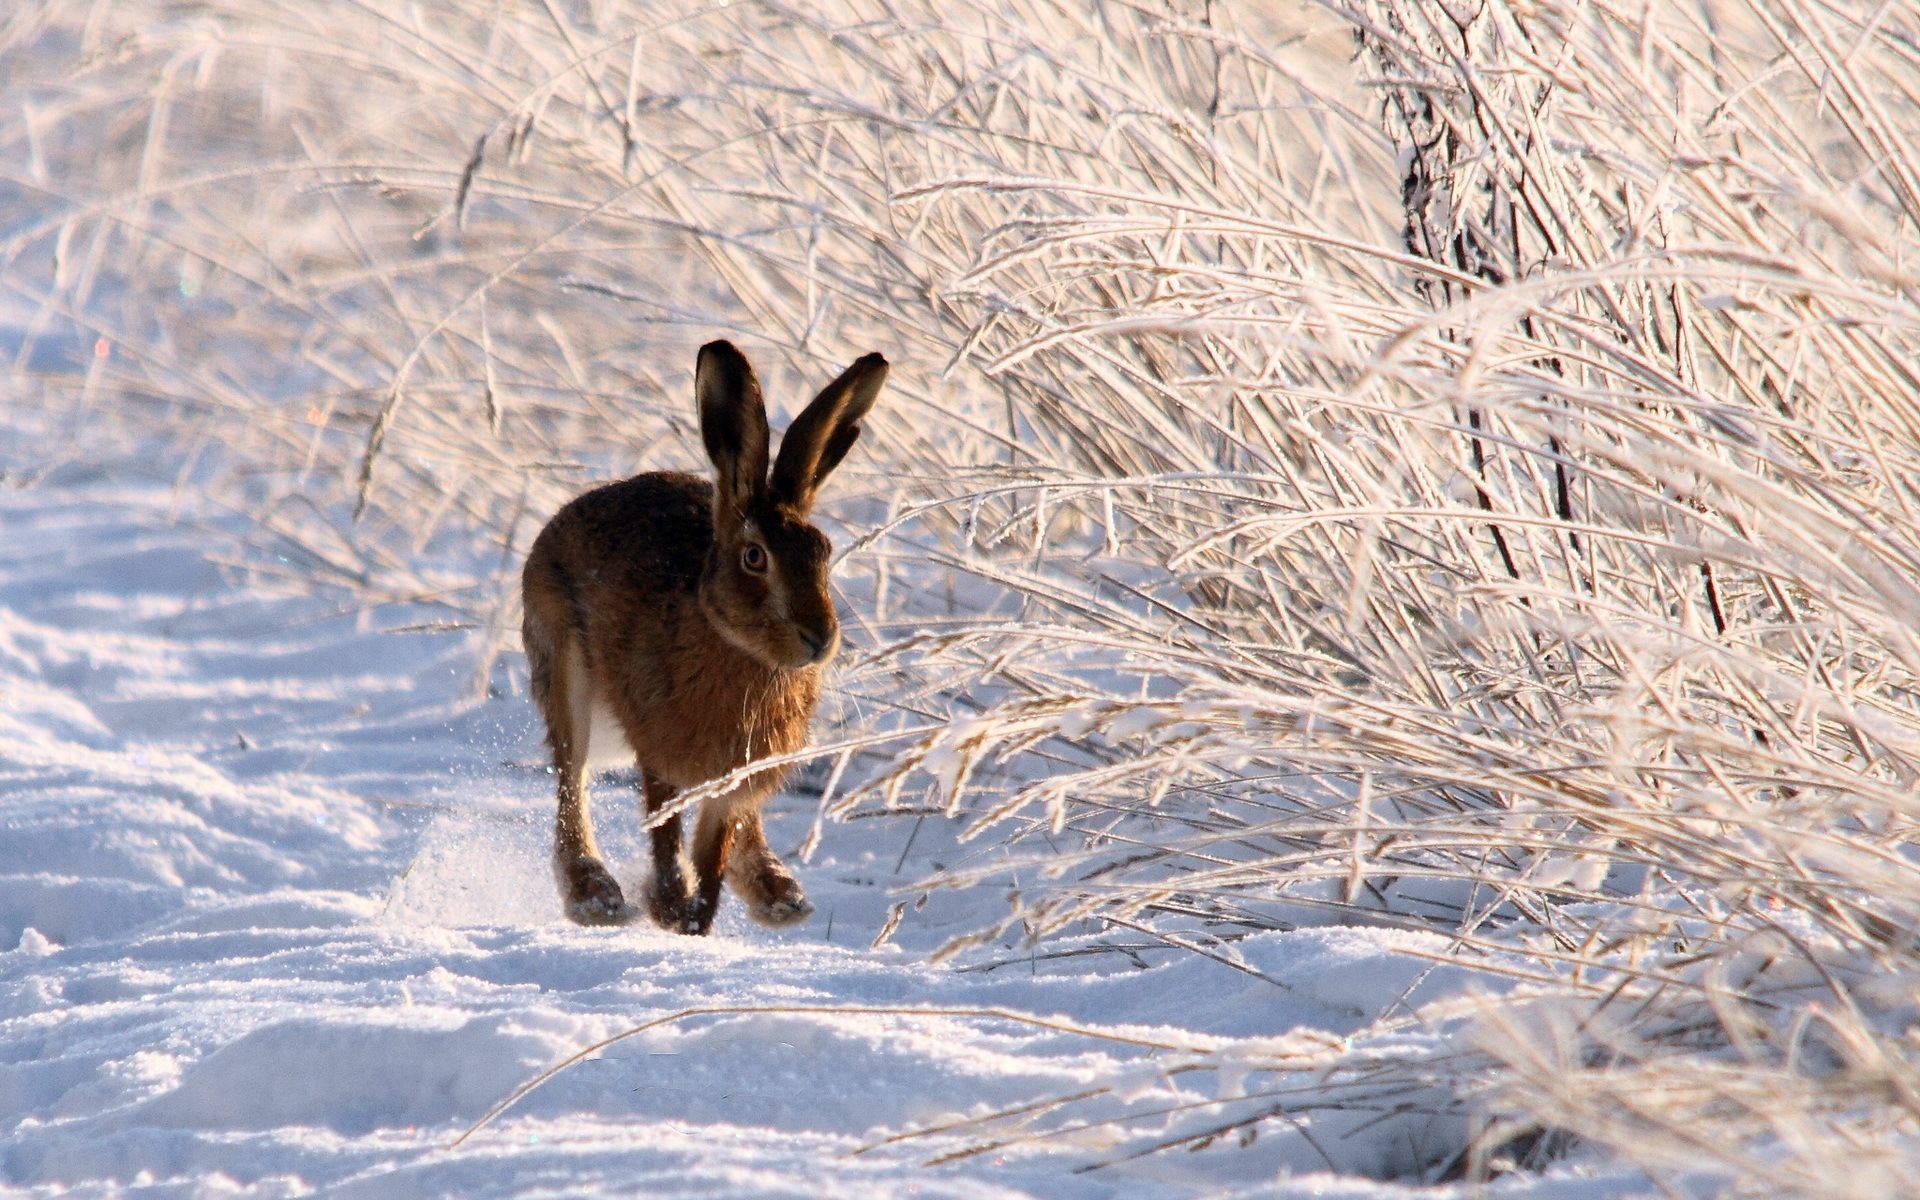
{"points": [[592, 896], [786, 911], [777, 899], [696, 919], [669, 901]]}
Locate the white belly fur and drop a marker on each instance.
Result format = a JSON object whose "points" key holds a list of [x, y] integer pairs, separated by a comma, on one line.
{"points": [[607, 748], [606, 741]]}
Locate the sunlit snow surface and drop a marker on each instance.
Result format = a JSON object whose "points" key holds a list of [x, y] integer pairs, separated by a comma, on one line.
{"points": [[275, 918]]}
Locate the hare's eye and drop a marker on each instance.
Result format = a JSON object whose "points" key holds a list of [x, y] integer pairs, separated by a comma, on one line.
{"points": [[754, 557]]}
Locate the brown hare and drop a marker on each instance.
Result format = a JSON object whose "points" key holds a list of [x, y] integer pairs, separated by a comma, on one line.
{"points": [[696, 617]]}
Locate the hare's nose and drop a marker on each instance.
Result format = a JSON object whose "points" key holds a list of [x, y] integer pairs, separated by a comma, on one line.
{"points": [[819, 644]]}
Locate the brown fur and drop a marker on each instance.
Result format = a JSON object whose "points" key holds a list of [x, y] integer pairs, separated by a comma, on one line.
{"points": [[643, 598]]}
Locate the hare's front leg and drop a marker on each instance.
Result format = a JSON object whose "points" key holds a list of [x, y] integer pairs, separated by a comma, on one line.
{"points": [[756, 874], [713, 839], [670, 899], [587, 888]]}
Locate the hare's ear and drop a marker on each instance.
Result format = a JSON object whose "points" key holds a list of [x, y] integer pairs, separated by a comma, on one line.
{"points": [[733, 424], [821, 435]]}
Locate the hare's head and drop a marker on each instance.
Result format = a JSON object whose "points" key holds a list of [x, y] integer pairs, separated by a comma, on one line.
{"points": [[764, 584]]}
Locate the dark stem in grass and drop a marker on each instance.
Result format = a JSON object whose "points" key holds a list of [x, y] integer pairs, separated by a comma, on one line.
{"points": [[1439, 114]]}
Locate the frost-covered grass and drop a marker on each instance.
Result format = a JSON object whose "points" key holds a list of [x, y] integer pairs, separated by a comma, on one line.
{"points": [[1460, 479]]}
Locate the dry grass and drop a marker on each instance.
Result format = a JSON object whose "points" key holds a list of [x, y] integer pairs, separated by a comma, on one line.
{"points": [[1471, 485]]}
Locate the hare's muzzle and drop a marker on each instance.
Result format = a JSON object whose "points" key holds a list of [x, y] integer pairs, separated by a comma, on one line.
{"points": [[820, 643]]}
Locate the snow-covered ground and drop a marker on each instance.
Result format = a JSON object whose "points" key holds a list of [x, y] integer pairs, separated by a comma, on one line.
{"points": [[1234, 591], [275, 918]]}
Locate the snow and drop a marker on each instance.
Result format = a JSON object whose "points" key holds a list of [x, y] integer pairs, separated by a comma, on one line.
{"points": [[276, 919]]}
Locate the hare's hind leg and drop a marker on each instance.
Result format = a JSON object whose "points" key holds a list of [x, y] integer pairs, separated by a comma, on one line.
{"points": [[756, 875], [670, 900], [587, 888]]}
